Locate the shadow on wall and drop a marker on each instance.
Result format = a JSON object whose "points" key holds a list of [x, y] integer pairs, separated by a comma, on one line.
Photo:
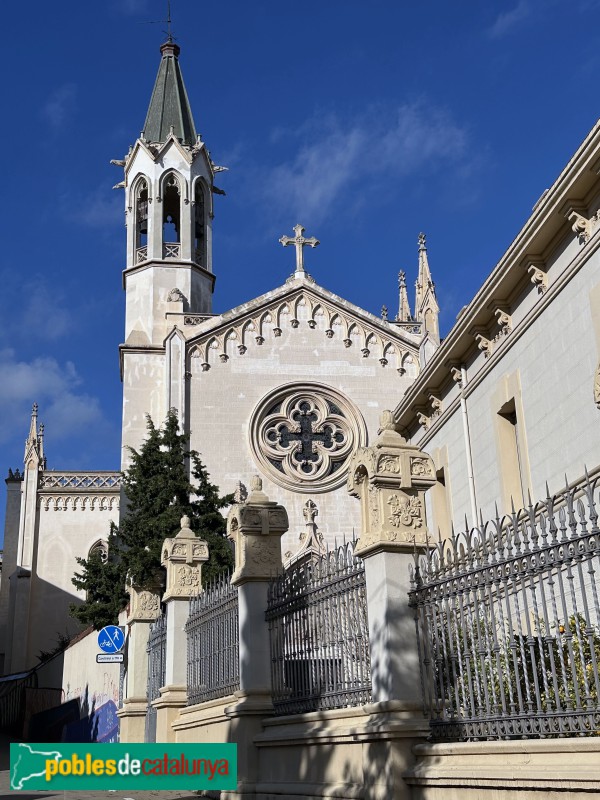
{"points": [[315, 764], [76, 721]]}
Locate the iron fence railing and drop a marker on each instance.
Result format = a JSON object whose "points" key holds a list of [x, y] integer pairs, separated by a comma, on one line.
{"points": [[13, 691], [508, 624], [213, 642], [317, 615], [156, 649]]}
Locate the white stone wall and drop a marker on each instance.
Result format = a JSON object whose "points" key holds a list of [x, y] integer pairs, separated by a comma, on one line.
{"points": [[223, 398], [553, 353], [83, 679], [62, 535]]}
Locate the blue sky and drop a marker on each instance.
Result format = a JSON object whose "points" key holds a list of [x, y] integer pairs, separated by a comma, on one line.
{"points": [[365, 123]]}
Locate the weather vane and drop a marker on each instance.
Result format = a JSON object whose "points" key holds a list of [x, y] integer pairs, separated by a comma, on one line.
{"points": [[168, 20]]}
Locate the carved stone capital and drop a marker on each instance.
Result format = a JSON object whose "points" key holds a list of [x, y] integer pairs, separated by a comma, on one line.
{"points": [[144, 604], [390, 479], [256, 528], [183, 556]]}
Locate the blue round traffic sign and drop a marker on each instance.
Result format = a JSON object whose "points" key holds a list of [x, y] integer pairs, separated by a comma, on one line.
{"points": [[111, 639]]}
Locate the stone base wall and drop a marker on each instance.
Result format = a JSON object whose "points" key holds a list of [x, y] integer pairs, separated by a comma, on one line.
{"points": [[343, 754], [206, 722], [533, 769]]}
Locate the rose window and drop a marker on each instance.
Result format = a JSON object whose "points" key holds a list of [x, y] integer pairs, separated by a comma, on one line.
{"points": [[304, 436]]}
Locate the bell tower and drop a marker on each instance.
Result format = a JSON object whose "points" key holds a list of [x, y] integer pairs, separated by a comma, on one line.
{"points": [[168, 209]]}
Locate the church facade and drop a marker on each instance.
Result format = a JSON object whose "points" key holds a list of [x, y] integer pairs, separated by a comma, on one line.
{"points": [[287, 385]]}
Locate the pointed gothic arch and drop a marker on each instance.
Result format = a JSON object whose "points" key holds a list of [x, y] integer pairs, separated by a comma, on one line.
{"points": [[99, 548], [201, 205], [171, 195]]}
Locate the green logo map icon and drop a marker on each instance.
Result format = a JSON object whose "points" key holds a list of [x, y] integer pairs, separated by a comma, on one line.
{"points": [[86, 767]]}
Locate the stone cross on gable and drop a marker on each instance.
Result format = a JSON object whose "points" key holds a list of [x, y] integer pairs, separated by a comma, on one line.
{"points": [[299, 241]]}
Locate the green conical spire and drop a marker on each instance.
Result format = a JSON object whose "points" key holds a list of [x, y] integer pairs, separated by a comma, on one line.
{"points": [[169, 105]]}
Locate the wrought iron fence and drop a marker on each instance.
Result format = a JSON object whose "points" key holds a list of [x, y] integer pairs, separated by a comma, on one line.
{"points": [[508, 624], [213, 642], [156, 649], [317, 614]]}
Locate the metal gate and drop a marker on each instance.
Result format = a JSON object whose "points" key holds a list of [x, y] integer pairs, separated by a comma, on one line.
{"points": [[156, 649]]}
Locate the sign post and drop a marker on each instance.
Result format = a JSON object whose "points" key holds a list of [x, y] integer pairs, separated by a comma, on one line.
{"points": [[110, 640]]}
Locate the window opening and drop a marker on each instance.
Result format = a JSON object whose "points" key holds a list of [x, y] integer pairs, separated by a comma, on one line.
{"points": [[141, 218], [171, 210]]}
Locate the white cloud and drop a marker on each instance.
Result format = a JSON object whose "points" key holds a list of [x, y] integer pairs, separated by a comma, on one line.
{"points": [[506, 21], [52, 319], [335, 159], [66, 411], [59, 105], [98, 209]]}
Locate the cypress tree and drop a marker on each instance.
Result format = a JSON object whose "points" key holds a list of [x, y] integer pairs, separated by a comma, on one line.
{"points": [[158, 493]]}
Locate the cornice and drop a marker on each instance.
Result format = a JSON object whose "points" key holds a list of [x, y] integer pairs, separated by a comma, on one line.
{"points": [[175, 262], [286, 292], [138, 348], [546, 227], [269, 313], [405, 413]]}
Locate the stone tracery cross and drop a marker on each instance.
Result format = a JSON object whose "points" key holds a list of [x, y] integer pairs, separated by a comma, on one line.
{"points": [[307, 436], [299, 241]]}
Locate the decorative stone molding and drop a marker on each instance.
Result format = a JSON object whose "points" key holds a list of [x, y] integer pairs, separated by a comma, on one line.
{"points": [[311, 539], [256, 528], [483, 343], [390, 479], [303, 435], [79, 502], [183, 556], [332, 320], [538, 275], [436, 406], [582, 226], [240, 494], [504, 318], [176, 296], [423, 419], [144, 604], [194, 319], [80, 480], [456, 373]]}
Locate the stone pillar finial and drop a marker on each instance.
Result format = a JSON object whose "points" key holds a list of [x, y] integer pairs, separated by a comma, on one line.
{"points": [[256, 528], [256, 491], [390, 479]]}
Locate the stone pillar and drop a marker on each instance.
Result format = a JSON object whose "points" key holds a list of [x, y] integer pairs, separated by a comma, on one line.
{"points": [[183, 557], [143, 610], [256, 528], [390, 479]]}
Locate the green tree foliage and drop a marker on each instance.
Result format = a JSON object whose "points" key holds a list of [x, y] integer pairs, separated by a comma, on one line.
{"points": [[158, 493]]}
